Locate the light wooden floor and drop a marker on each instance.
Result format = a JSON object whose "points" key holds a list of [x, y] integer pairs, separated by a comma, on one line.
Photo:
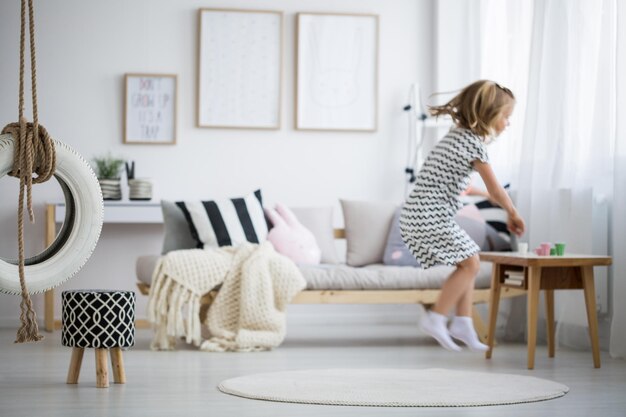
{"points": [[183, 383]]}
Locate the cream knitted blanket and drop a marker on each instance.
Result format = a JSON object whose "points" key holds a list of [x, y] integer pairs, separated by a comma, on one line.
{"points": [[248, 313]]}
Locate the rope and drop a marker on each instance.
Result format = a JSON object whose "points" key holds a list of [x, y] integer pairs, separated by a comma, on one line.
{"points": [[34, 153]]}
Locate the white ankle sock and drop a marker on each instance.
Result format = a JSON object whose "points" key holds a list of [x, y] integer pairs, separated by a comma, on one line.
{"points": [[434, 324], [462, 329]]}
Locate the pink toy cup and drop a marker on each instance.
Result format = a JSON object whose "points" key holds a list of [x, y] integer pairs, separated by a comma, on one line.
{"points": [[545, 248], [538, 251]]}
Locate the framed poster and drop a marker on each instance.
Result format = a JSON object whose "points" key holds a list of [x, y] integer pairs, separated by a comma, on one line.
{"points": [[150, 108], [239, 68], [337, 72]]}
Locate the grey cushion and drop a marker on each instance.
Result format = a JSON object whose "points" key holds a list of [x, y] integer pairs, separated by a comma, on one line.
{"points": [[177, 233], [344, 277], [319, 220], [367, 227], [384, 277]]}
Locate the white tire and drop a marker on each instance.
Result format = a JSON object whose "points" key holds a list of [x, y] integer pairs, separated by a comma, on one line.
{"points": [[79, 234]]}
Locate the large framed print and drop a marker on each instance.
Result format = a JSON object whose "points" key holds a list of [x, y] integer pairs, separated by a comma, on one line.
{"points": [[239, 68], [150, 108], [337, 72]]}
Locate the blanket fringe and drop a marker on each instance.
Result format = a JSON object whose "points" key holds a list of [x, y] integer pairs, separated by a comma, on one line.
{"points": [[168, 300]]}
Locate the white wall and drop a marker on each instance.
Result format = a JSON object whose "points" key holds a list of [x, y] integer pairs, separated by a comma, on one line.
{"points": [[85, 47]]}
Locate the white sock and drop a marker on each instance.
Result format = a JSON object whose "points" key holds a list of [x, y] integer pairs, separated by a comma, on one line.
{"points": [[434, 324], [462, 329]]}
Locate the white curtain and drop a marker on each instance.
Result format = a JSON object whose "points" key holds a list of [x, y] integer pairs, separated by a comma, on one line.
{"points": [[565, 152], [566, 161], [618, 290]]}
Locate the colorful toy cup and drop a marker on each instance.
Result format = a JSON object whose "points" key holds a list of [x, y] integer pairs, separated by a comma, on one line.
{"points": [[545, 248], [560, 249], [522, 247]]}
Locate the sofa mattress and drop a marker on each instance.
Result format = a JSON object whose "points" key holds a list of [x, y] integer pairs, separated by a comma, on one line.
{"points": [[344, 277]]}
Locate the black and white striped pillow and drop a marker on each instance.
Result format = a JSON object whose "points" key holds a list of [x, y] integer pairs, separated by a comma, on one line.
{"points": [[227, 222], [495, 216]]}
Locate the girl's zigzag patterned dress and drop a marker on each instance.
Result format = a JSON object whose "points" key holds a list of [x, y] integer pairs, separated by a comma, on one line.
{"points": [[427, 220]]}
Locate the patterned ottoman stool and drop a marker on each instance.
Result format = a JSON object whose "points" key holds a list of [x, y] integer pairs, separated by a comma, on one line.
{"points": [[99, 319]]}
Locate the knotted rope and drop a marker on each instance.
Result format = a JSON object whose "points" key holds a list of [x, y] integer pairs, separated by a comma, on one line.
{"points": [[34, 153]]}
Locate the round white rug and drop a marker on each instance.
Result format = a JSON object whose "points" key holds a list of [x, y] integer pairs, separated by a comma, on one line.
{"points": [[393, 387]]}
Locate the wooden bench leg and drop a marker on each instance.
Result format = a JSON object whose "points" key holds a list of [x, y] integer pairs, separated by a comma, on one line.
{"points": [[75, 362], [117, 364], [102, 371]]}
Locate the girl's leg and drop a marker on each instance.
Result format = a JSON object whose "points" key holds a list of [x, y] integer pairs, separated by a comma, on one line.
{"points": [[457, 285], [453, 290], [462, 326]]}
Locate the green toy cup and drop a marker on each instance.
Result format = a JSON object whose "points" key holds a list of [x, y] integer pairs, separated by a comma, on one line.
{"points": [[552, 251], [559, 249]]}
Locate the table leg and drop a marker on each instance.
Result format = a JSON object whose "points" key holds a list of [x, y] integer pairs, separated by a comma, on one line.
{"points": [[549, 295], [592, 319], [534, 284], [494, 301], [48, 312]]}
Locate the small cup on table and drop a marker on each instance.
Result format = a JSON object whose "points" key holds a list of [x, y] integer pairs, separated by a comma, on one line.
{"points": [[522, 247], [559, 249]]}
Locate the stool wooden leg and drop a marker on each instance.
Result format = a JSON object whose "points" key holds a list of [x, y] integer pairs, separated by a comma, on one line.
{"points": [[102, 371], [75, 362], [592, 318], [117, 364]]}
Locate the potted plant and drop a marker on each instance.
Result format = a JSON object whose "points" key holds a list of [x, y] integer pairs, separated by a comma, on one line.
{"points": [[108, 171]]}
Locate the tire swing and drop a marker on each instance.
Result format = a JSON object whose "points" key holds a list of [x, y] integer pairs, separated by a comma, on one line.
{"points": [[26, 148]]}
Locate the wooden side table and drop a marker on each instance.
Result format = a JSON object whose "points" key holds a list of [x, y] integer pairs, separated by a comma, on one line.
{"points": [[546, 273]]}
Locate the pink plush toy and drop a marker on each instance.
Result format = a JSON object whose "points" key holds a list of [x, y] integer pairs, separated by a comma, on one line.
{"points": [[291, 238]]}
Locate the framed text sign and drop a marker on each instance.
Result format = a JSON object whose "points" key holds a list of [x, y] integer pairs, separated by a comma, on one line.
{"points": [[239, 68], [337, 72], [150, 108]]}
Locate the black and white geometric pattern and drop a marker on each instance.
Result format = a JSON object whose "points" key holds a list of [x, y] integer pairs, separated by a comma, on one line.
{"points": [[427, 220], [495, 216], [98, 318], [227, 222]]}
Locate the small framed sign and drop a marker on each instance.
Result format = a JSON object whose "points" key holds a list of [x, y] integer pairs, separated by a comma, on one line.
{"points": [[150, 109]]}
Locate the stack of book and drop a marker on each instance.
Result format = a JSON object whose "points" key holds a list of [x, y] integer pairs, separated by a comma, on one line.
{"points": [[515, 278]]}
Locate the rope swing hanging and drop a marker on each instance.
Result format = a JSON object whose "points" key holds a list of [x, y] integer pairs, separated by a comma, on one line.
{"points": [[27, 149]]}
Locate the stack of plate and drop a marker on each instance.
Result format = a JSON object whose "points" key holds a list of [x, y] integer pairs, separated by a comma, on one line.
{"points": [[111, 189], [139, 189]]}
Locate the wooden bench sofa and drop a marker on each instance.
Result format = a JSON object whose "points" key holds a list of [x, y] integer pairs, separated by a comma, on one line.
{"points": [[425, 297]]}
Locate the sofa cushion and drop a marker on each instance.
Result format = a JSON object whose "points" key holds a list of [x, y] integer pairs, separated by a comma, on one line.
{"points": [[177, 233], [396, 251], [367, 225], [344, 277], [226, 222], [384, 277]]}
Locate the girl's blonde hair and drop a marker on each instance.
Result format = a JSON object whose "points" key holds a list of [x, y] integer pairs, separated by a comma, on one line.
{"points": [[477, 107]]}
